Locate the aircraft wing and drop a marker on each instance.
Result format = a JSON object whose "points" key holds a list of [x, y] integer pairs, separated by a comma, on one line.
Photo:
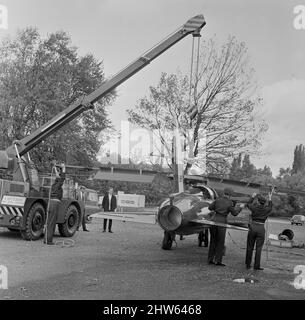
{"points": [[150, 218], [140, 217], [213, 223]]}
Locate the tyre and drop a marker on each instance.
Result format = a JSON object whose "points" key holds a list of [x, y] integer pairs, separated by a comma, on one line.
{"points": [[34, 223], [167, 241], [69, 227]]}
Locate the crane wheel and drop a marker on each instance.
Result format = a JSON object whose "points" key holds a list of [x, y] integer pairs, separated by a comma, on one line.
{"points": [[69, 227], [167, 241], [34, 223]]}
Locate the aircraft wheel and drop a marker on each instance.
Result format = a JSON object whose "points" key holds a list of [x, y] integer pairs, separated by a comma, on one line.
{"points": [[167, 241]]}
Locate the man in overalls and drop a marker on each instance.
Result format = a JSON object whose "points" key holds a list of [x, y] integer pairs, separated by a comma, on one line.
{"points": [[260, 209], [55, 201], [222, 206]]}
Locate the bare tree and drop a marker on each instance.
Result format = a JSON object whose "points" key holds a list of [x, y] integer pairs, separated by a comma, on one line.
{"points": [[223, 92]]}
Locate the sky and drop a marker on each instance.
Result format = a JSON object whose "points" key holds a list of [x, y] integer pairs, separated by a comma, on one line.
{"points": [[118, 31]]}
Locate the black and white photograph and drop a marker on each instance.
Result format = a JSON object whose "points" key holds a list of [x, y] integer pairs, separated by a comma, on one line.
{"points": [[152, 153]]}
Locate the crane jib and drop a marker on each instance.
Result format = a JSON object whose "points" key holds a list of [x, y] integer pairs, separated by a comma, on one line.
{"points": [[192, 26]]}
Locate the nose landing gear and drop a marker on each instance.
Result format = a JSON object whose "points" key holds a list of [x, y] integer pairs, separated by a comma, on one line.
{"points": [[168, 239]]}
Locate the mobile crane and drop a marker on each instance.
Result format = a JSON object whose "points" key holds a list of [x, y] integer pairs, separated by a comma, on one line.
{"points": [[23, 203]]}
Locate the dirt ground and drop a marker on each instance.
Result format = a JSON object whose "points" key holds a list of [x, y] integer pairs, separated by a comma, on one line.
{"points": [[130, 264]]}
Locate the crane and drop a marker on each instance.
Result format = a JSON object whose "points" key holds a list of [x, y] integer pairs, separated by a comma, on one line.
{"points": [[22, 204]]}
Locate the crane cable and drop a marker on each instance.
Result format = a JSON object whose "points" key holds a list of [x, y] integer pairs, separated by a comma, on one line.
{"points": [[191, 72], [48, 206], [196, 68]]}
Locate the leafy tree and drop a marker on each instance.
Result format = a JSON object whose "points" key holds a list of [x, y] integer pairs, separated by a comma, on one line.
{"points": [[299, 159], [224, 95], [243, 169], [235, 169], [283, 172], [248, 168], [266, 171], [287, 205], [39, 77]]}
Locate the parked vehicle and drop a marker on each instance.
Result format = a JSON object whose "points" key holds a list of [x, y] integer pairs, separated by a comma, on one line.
{"points": [[298, 220]]}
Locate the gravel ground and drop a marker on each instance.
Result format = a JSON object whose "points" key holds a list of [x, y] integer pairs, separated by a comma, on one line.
{"points": [[129, 264]]}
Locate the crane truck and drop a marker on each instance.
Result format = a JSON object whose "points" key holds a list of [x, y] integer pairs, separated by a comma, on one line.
{"points": [[23, 202]]}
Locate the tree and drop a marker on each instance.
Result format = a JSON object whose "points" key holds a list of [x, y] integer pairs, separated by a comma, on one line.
{"points": [[38, 79], [295, 182], [299, 159], [248, 168], [235, 169], [243, 169], [224, 95], [283, 172], [266, 171]]}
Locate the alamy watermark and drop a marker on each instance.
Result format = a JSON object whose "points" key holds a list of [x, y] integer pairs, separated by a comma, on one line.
{"points": [[299, 280], [153, 146], [3, 277], [299, 19], [3, 17]]}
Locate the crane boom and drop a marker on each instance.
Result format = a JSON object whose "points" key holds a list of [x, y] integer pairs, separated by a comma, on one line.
{"points": [[192, 26]]}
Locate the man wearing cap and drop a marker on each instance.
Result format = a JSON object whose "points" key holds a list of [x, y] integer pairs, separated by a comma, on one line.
{"points": [[222, 206], [260, 209]]}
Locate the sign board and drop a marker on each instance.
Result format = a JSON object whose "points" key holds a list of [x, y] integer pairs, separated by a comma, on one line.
{"points": [[131, 200], [13, 201], [100, 200], [92, 196]]}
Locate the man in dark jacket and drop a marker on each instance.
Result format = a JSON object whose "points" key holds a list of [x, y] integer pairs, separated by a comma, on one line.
{"points": [[55, 201], [260, 209], [222, 206], [81, 196], [109, 204]]}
